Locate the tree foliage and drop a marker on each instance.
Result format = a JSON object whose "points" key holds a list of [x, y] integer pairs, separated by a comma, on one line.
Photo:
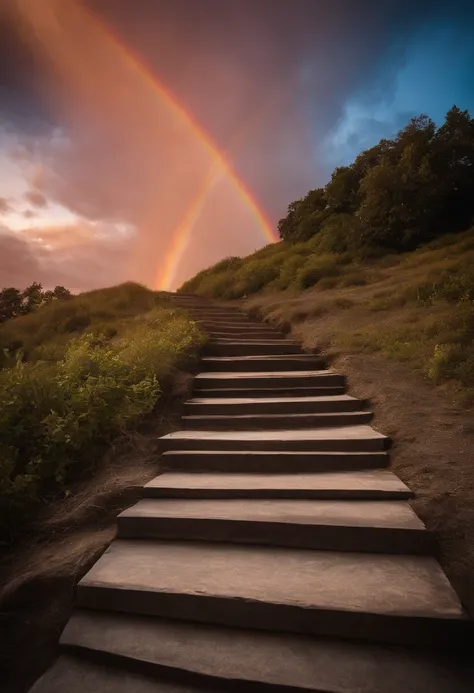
{"points": [[397, 195], [14, 302]]}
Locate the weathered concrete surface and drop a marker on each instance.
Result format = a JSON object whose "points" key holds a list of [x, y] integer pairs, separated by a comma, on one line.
{"points": [[270, 363], [72, 674], [276, 659], [276, 421], [368, 526], [306, 378], [271, 462], [379, 484], [346, 438], [278, 391], [241, 347], [271, 405], [395, 599]]}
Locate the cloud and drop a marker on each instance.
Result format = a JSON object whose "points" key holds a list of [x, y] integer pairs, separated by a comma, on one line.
{"points": [[5, 206], [29, 214], [81, 256], [18, 263], [36, 198]]}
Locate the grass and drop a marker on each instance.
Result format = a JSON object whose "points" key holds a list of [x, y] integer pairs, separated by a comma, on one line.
{"points": [[417, 307], [76, 375]]}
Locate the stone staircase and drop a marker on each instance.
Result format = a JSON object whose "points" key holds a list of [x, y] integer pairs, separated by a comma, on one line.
{"points": [[277, 552]]}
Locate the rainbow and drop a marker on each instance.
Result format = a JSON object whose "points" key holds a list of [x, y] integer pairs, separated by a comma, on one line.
{"points": [[180, 236]]}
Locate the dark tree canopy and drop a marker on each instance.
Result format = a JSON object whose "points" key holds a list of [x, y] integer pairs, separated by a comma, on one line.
{"points": [[399, 194], [14, 302]]}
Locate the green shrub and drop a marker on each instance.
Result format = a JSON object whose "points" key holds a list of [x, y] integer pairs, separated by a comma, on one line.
{"points": [[60, 412], [315, 268], [289, 269]]}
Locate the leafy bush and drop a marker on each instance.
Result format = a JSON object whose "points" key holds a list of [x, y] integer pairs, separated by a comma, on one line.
{"points": [[58, 416], [314, 269]]}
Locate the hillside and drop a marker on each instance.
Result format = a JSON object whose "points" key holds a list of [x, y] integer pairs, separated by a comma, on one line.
{"points": [[75, 375], [388, 241], [376, 270]]}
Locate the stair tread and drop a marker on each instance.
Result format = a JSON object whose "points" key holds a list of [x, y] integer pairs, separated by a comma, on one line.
{"points": [[234, 375], [363, 480], [260, 357], [75, 675], [341, 433], [217, 417], [391, 585], [270, 400], [353, 513], [234, 654]]}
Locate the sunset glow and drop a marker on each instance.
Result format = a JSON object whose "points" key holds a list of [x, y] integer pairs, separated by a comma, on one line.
{"points": [[101, 78]]}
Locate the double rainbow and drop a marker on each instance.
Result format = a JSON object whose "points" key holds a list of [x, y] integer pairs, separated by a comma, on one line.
{"points": [[181, 235]]}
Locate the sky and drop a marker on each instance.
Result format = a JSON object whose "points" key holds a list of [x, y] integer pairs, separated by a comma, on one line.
{"points": [[146, 140]]}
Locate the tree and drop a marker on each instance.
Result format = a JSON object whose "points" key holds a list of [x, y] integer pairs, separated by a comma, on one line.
{"points": [[11, 303], [33, 297], [454, 165], [61, 293], [304, 218], [14, 302]]}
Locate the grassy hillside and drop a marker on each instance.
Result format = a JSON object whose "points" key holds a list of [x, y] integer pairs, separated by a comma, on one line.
{"points": [[74, 375], [416, 307], [385, 250]]}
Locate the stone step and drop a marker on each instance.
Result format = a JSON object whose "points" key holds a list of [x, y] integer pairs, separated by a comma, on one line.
{"points": [[364, 484], [390, 526], [271, 462], [397, 599], [232, 347], [227, 323], [259, 392], [228, 659], [271, 405], [251, 326], [266, 379], [272, 364], [343, 439], [222, 319], [79, 672], [276, 421], [250, 334]]}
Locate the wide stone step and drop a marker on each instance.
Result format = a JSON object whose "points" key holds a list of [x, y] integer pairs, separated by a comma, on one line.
{"points": [[252, 334], [224, 658], [352, 485], [276, 421], [236, 324], [249, 364], [252, 325], [271, 462], [272, 405], [230, 347], [282, 379], [341, 525], [220, 319], [76, 673], [387, 598], [343, 439], [269, 392]]}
